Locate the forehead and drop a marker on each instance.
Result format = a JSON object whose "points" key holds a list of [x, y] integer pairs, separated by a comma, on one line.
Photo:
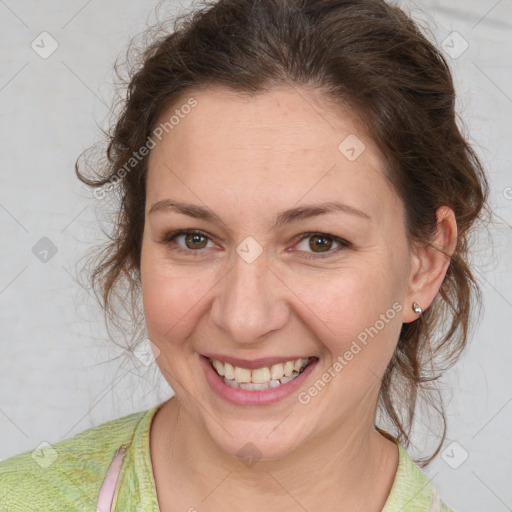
{"points": [[281, 146]]}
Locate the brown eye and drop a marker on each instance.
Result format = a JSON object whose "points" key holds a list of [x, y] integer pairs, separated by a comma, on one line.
{"points": [[194, 240], [320, 245], [321, 242]]}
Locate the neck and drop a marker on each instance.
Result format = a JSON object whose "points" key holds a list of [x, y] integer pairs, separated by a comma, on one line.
{"points": [[351, 465]]}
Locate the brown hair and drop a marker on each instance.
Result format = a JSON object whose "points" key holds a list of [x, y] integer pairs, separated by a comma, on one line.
{"points": [[362, 53]]}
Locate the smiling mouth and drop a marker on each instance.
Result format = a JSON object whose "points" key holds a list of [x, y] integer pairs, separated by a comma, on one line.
{"points": [[263, 378]]}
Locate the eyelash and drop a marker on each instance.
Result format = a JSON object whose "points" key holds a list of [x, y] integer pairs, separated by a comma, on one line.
{"points": [[169, 238]]}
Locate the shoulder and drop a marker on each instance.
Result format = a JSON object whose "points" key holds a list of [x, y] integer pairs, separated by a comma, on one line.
{"points": [[412, 491], [65, 475]]}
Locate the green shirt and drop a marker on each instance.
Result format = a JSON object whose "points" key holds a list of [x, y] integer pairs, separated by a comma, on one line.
{"points": [[67, 475]]}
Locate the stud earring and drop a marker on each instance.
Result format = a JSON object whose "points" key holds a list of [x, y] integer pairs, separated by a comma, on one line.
{"points": [[417, 308]]}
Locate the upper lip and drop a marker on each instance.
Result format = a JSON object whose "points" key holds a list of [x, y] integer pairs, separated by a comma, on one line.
{"points": [[252, 364]]}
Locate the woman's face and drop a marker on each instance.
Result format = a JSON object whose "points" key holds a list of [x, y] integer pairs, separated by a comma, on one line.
{"points": [[274, 273]]}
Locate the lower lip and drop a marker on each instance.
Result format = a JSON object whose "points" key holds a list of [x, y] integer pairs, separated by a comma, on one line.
{"points": [[244, 397]]}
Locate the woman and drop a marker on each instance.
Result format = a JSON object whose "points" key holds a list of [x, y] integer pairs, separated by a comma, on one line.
{"points": [[295, 203]]}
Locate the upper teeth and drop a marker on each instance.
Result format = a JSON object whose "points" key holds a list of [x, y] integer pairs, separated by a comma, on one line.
{"points": [[276, 372]]}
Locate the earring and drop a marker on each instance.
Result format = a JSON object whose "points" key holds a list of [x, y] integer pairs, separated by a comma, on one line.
{"points": [[417, 308]]}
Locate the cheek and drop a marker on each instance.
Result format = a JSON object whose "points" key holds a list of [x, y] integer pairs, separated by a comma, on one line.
{"points": [[349, 297], [358, 316], [338, 306], [171, 298], [166, 300]]}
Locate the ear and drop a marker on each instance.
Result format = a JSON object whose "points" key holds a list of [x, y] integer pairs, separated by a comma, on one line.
{"points": [[430, 264]]}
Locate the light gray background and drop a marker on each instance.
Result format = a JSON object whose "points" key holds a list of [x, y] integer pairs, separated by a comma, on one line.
{"points": [[59, 377]]}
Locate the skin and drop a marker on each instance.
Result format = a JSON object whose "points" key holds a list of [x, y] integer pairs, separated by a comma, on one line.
{"points": [[246, 159]]}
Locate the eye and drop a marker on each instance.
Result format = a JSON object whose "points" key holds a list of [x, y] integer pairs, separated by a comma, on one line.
{"points": [[323, 242], [194, 240]]}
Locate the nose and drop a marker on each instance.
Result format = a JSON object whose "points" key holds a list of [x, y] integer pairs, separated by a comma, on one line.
{"points": [[251, 301]]}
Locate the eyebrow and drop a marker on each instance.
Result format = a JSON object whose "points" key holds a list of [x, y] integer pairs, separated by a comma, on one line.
{"points": [[282, 218]]}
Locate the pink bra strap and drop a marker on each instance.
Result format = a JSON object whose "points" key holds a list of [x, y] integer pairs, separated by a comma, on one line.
{"points": [[108, 488]]}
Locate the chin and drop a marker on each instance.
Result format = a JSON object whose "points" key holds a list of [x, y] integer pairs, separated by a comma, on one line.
{"points": [[255, 442]]}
